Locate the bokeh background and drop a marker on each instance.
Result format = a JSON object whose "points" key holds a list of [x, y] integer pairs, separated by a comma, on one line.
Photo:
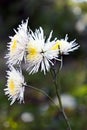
{"points": [[38, 113]]}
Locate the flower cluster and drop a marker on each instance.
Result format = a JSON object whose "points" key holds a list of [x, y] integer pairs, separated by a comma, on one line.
{"points": [[36, 51]]}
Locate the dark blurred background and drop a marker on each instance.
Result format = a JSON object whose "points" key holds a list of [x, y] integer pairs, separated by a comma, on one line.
{"points": [[38, 113]]}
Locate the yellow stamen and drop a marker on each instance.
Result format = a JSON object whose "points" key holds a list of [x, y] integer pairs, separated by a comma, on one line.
{"points": [[13, 46], [32, 52], [11, 86], [56, 46]]}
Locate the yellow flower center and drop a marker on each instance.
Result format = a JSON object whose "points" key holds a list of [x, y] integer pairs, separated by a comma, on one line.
{"points": [[12, 87], [32, 52], [56, 46], [13, 46]]}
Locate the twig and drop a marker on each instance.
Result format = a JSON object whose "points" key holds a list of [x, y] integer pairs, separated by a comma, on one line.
{"points": [[43, 92], [54, 75]]}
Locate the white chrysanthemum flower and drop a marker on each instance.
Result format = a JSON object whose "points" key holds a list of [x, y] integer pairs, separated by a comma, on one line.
{"points": [[64, 47], [39, 55], [18, 44], [15, 85]]}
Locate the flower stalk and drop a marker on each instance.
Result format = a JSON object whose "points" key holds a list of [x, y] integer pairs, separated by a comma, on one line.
{"points": [[43, 92], [57, 87]]}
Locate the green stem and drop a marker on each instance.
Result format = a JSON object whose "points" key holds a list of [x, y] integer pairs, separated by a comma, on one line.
{"points": [[61, 107], [43, 92], [54, 75]]}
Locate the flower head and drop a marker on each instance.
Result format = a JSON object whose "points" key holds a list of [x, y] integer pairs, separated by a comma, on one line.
{"points": [[17, 44], [15, 85], [39, 55], [64, 47]]}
